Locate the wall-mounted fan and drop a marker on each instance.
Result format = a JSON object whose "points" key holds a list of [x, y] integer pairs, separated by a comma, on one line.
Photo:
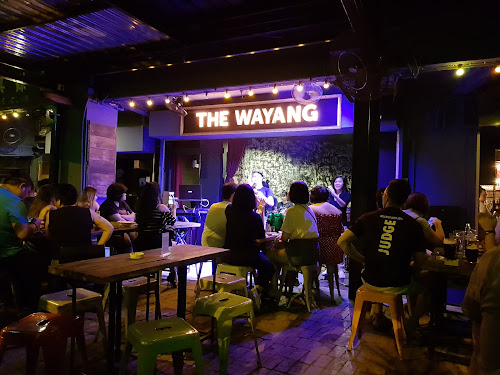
{"points": [[351, 75], [311, 92]]}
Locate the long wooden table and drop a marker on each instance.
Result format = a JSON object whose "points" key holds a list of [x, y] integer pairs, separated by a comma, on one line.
{"points": [[115, 269]]}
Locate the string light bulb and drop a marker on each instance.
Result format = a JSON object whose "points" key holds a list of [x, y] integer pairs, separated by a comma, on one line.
{"points": [[497, 69], [250, 92], [275, 90], [186, 98], [326, 84], [4, 117], [299, 87], [167, 100], [149, 102], [227, 95], [460, 71], [15, 114], [131, 104]]}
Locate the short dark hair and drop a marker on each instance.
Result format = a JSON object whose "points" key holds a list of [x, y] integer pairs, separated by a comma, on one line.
{"points": [[115, 191], [18, 180], [398, 191], [66, 193], [244, 198], [299, 193], [419, 203], [319, 194], [228, 189]]}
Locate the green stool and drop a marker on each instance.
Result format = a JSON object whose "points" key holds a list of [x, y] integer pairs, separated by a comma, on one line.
{"points": [[241, 271], [156, 337], [307, 272], [224, 307], [224, 282]]}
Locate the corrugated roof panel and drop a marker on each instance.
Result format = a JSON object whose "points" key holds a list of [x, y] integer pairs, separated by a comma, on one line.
{"points": [[100, 30]]}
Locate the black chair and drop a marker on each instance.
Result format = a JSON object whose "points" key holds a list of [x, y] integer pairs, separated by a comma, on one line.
{"points": [[69, 254]]}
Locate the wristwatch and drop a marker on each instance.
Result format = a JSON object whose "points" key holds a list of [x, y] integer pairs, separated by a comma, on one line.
{"points": [[489, 231]]}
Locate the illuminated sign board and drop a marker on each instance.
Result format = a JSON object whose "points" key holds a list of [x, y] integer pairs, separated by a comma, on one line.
{"points": [[276, 115]]}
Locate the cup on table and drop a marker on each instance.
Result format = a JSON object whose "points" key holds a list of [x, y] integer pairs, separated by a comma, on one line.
{"points": [[450, 248], [471, 252]]}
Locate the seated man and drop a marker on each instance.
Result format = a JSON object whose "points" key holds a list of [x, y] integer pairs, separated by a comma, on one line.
{"points": [[71, 225], [24, 265], [389, 240], [482, 304], [214, 233]]}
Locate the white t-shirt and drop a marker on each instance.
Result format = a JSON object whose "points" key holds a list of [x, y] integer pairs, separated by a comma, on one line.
{"points": [[300, 222], [214, 233]]}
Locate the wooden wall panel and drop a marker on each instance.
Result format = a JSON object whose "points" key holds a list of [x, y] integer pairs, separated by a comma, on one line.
{"points": [[102, 157]]}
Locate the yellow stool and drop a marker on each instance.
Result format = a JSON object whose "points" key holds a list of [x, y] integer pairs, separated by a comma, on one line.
{"points": [[395, 302], [224, 307], [163, 336], [223, 283], [132, 288], [307, 272], [240, 271], [86, 301]]}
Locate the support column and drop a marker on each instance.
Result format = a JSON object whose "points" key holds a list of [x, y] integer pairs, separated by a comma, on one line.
{"points": [[366, 136]]}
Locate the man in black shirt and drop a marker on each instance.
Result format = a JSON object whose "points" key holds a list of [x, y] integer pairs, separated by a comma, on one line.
{"points": [[388, 240]]}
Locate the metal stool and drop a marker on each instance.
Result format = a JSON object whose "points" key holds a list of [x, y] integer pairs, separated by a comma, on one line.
{"points": [[395, 302], [242, 271], [48, 331], [224, 307], [163, 336], [307, 272], [223, 283]]}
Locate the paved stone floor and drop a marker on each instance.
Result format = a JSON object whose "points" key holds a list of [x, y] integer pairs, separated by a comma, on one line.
{"points": [[291, 341]]}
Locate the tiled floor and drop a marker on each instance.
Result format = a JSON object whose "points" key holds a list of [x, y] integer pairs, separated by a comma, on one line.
{"points": [[291, 341]]}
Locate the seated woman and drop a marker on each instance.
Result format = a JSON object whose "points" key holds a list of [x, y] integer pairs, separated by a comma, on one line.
{"points": [[88, 199], [330, 228], [114, 209], [244, 227], [417, 206], [43, 203], [298, 244], [71, 225]]}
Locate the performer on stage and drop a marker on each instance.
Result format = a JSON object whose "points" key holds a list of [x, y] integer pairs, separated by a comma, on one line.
{"points": [[264, 195]]}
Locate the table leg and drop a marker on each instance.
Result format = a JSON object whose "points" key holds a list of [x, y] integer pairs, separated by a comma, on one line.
{"points": [[73, 310], [438, 296], [111, 324], [178, 357], [118, 312]]}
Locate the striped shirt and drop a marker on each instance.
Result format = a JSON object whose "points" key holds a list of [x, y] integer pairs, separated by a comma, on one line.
{"points": [[156, 222]]}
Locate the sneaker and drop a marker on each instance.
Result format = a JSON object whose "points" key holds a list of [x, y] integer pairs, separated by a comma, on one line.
{"points": [[254, 295]]}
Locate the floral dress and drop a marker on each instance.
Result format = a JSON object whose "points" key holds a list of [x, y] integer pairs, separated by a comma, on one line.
{"points": [[330, 228]]}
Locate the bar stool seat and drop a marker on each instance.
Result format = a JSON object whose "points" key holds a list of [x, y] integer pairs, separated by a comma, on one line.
{"points": [[163, 336], [241, 271], [395, 302], [307, 272], [223, 283], [86, 301], [225, 307], [48, 331]]}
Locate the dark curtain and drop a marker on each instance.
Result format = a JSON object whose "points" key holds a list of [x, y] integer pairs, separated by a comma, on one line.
{"points": [[235, 151], [177, 175]]}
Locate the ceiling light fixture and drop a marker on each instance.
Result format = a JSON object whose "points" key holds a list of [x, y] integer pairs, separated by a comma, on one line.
{"points": [[299, 87], [15, 114], [149, 102], [497, 69], [167, 100], [460, 71], [275, 89], [250, 92], [4, 117], [186, 98], [227, 95], [131, 104], [326, 84]]}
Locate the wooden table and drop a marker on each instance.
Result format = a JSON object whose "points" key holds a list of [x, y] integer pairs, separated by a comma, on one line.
{"points": [[117, 268]]}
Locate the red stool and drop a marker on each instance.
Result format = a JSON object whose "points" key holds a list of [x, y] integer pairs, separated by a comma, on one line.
{"points": [[48, 331]]}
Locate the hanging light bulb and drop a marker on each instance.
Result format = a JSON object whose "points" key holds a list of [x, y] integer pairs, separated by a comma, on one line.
{"points": [[4, 117], [227, 95], [15, 114], [460, 71], [275, 90], [497, 69], [299, 87], [167, 100], [326, 84], [250, 92], [131, 104], [149, 102], [186, 98]]}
